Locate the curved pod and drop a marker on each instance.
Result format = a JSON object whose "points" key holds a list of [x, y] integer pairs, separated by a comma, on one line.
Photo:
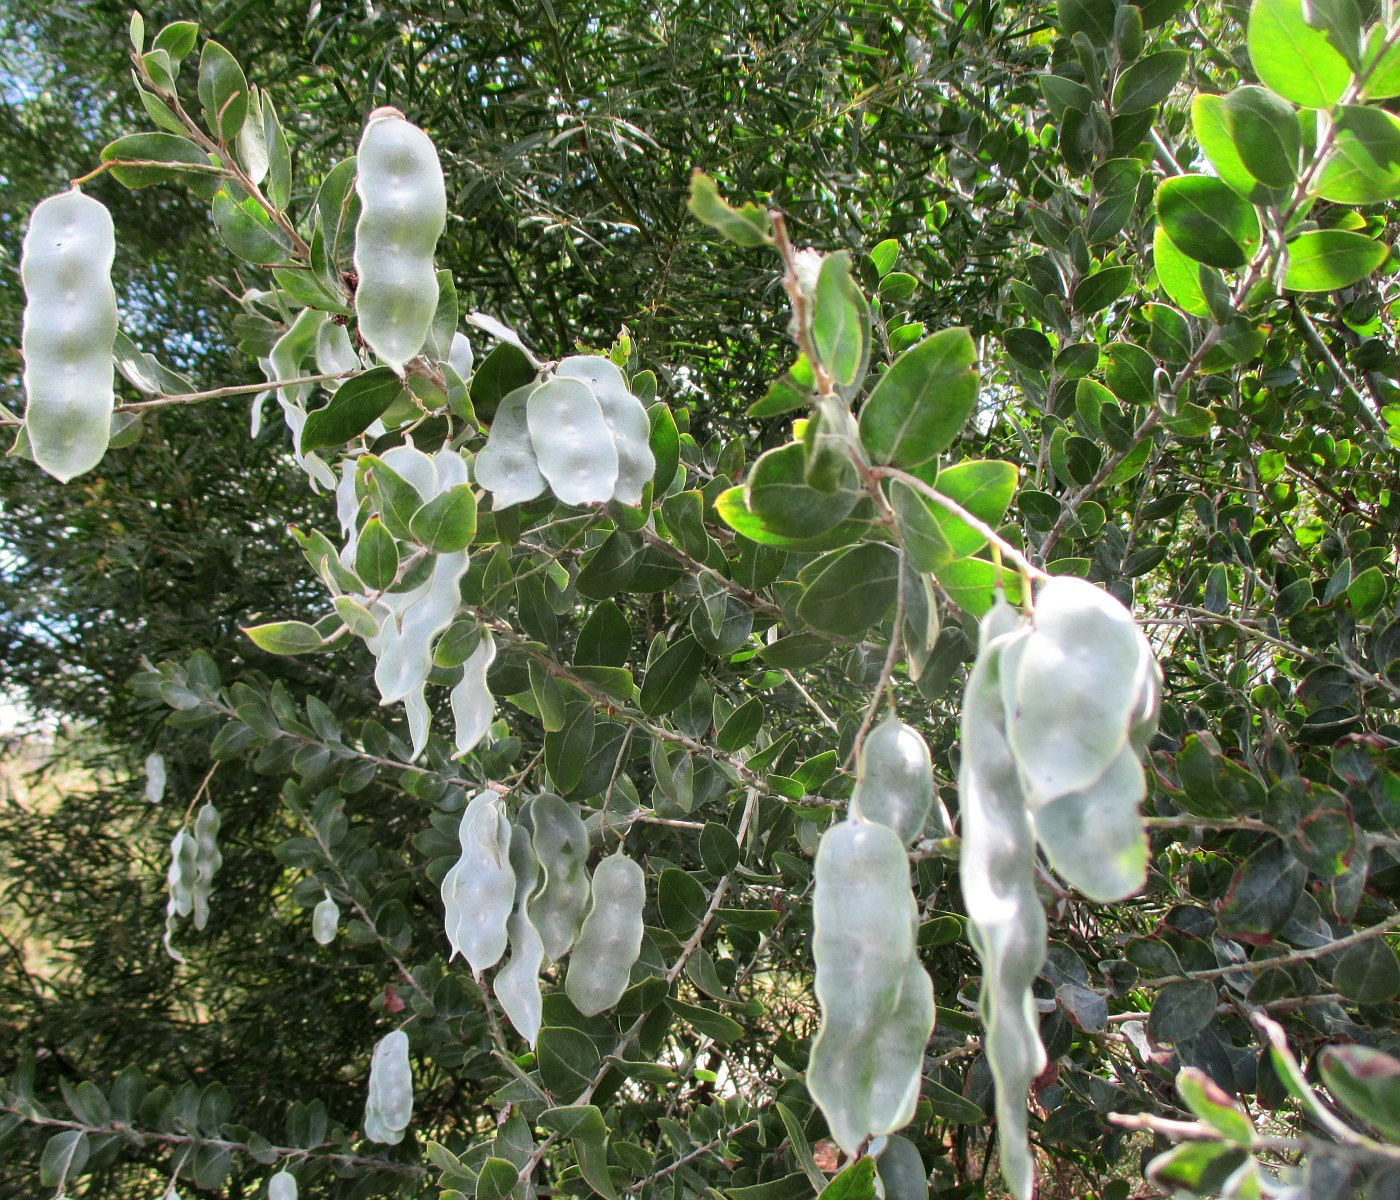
{"points": [[610, 941], [997, 873], [390, 1105], [403, 210], [894, 785], [863, 916], [478, 891], [561, 846], [70, 327]]}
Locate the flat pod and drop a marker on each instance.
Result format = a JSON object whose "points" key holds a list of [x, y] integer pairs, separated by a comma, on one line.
{"points": [[282, 1186], [478, 891], [626, 419], [473, 706], [1094, 838], [389, 1107], [894, 783], [517, 983], [561, 846], [864, 917], [207, 861], [997, 875], [897, 1053], [610, 941], [1071, 687], [70, 328], [403, 210], [573, 445], [506, 466], [325, 919]]}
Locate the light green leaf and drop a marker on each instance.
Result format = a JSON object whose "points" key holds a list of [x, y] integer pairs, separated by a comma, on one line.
{"points": [[747, 225], [1323, 260], [285, 637], [1293, 57], [1364, 165], [223, 92]]}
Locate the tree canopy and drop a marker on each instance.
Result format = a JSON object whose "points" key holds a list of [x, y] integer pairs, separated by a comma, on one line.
{"points": [[783, 448]]}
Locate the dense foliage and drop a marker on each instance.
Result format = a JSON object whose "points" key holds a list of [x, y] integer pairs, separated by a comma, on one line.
{"points": [[717, 506]]}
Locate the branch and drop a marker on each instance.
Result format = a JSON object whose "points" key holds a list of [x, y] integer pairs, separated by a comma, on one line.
{"points": [[128, 1133]]}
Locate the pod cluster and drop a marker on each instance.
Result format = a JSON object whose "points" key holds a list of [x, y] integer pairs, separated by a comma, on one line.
{"points": [[389, 1107], [194, 861], [400, 596], [578, 431], [70, 329], [1056, 718], [876, 999], [525, 886]]}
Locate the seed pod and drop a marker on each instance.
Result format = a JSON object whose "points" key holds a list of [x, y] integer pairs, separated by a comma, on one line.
{"points": [[573, 445], [517, 984], [208, 860], [473, 706], [325, 919], [561, 845], [478, 891], [626, 420], [1071, 688], [155, 777], [403, 211], [863, 917], [334, 353], [897, 1053], [282, 1186], [180, 879], [506, 466], [70, 327], [390, 1105], [184, 865], [610, 941], [894, 782], [1094, 838], [997, 874]]}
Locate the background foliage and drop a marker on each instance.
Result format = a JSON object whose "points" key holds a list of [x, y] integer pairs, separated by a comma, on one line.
{"points": [[1256, 542]]}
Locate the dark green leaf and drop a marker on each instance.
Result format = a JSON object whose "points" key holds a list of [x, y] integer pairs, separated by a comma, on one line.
{"points": [[356, 405], [1181, 1010], [672, 677], [1149, 81], [447, 523], [850, 589], [922, 401], [1207, 221]]}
